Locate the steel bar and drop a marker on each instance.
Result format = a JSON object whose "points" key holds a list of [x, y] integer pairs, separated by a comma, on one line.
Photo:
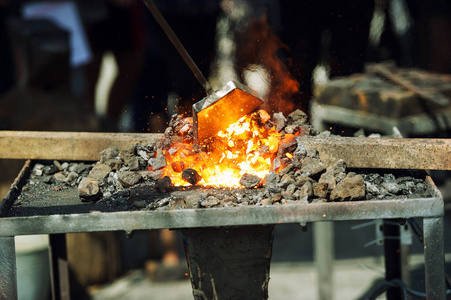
{"points": [[434, 258], [65, 145], [421, 154], [8, 273]]}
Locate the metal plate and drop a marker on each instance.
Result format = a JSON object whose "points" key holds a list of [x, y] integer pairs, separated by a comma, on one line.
{"points": [[216, 112]]}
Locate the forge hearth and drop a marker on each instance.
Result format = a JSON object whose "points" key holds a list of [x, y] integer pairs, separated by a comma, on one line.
{"points": [[64, 212]]}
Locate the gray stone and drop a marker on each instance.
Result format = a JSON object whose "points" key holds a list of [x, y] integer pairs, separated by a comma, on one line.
{"points": [[312, 166], [71, 177], [115, 163], [392, 187], [163, 185], [99, 172], [143, 154], [320, 189], [250, 181], [371, 188], [59, 177], [82, 168], [272, 178], [288, 193], [298, 117], [301, 150], [156, 175], [128, 178], [159, 161], [58, 165], [352, 187], [285, 181], [306, 191], [289, 169], [51, 169], [133, 163], [334, 174], [291, 129], [88, 189], [279, 121], [303, 179], [108, 154]]}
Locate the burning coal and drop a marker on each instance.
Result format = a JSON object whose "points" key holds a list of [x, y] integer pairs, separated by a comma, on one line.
{"points": [[254, 145]]}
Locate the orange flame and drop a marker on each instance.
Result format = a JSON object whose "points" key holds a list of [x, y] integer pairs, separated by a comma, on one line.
{"points": [[247, 146]]}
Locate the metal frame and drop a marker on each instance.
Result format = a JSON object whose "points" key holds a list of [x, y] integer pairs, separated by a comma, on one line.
{"points": [[430, 209]]}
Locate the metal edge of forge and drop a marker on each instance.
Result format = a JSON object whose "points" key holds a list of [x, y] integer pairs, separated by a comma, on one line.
{"points": [[216, 217], [378, 153]]}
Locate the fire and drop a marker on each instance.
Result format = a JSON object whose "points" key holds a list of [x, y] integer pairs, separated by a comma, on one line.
{"points": [[247, 146]]}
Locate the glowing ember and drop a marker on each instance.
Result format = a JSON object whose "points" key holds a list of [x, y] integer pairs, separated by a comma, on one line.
{"points": [[247, 146]]}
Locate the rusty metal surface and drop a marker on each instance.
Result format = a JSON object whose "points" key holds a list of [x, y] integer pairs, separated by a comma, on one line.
{"points": [[65, 145], [424, 154], [384, 153]]}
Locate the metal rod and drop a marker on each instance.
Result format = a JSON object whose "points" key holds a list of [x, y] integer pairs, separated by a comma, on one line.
{"points": [[418, 154], [178, 45], [8, 273]]}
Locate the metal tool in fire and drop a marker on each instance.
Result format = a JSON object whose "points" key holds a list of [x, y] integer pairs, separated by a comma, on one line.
{"points": [[219, 108]]}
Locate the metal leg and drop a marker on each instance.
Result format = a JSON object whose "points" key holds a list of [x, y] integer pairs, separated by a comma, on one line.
{"points": [[392, 253], [59, 267], [434, 258], [323, 234], [8, 275]]}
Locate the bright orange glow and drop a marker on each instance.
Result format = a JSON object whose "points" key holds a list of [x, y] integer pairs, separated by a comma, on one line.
{"points": [[247, 146]]}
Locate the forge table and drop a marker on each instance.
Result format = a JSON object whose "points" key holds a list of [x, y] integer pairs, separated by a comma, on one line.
{"points": [[56, 224]]}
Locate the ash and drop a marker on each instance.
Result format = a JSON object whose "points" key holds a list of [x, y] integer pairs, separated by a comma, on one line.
{"points": [[297, 178]]}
